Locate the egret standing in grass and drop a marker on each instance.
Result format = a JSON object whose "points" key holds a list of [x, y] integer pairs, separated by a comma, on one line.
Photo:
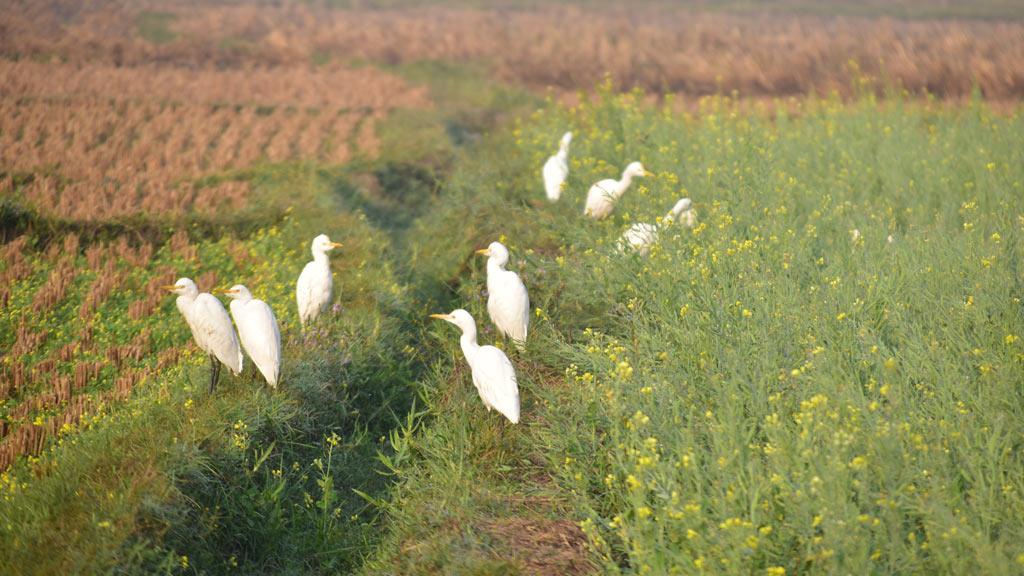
{"points": [[313, 290], [556, 169], [508, 304], [642, 235], [493, 374], [602, 196], [257, 328], [210, 325]]}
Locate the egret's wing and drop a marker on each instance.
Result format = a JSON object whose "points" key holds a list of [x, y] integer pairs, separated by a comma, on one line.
{"points": [[600, 198], [304, 293], [258, 330], [277, 345], [185, 307], [509, 304], [640, 235], [604, 189], [496, 381], [313, 291], [213, 325]]}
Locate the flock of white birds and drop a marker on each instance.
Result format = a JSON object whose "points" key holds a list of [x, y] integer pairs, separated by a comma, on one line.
{"points": [[508, 303], [258, 333]]}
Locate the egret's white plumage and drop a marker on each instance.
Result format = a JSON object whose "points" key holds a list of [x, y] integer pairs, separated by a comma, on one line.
{"points": [[508, 303], [641, 236], [210, 325], [602, 196], [556, 169], [493, 374], [313, 290], [258, 331]]}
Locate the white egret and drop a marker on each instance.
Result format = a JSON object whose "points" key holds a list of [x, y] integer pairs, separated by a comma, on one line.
{"points": [[556, 169], [493, 374], [508, 304], [602, 196], [257, 328], [688, 215], [313, 290], [210, 325], [642, 235]]}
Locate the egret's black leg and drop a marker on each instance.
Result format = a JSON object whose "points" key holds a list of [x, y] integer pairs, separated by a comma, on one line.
{"points": [[214, 372], [501, 428]]}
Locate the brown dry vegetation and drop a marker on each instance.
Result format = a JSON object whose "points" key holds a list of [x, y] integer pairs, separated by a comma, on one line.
{"points": [[42, 392], [103, 141], [299, 86], [31, 439], [657, 48], [542, 547], [100, 141]]}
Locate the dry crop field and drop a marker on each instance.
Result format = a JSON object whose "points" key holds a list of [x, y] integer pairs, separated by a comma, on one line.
{"points": [[655, 46], [94, 141], [63, 360]]}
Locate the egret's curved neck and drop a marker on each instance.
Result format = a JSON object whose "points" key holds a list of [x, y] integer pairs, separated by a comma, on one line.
{"points": [[188, 298], [623, 184], [563, 151], [493, 266], [320, 257], [468, 342]]}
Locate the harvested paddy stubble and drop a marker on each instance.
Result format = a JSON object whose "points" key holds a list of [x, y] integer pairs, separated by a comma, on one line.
{"points": [[95, 141]]}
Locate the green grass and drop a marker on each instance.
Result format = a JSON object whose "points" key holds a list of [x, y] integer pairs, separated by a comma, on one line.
{"points": [[177, 480], [762, 394], [155, 27]]}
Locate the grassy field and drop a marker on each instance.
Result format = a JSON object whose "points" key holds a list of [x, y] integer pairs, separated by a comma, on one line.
{"points": [[165, 474], [114, 456], [765, 393], [823, 376]]}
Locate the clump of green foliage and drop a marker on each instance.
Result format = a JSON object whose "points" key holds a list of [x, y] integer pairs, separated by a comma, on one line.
{"points": [[821, 376]]}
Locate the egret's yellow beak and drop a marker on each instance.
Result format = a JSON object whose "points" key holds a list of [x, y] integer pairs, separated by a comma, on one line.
{"points": [[441, 316], [170, 287], [484, 251], [648, 173], [224, 291], [336, 245]]}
